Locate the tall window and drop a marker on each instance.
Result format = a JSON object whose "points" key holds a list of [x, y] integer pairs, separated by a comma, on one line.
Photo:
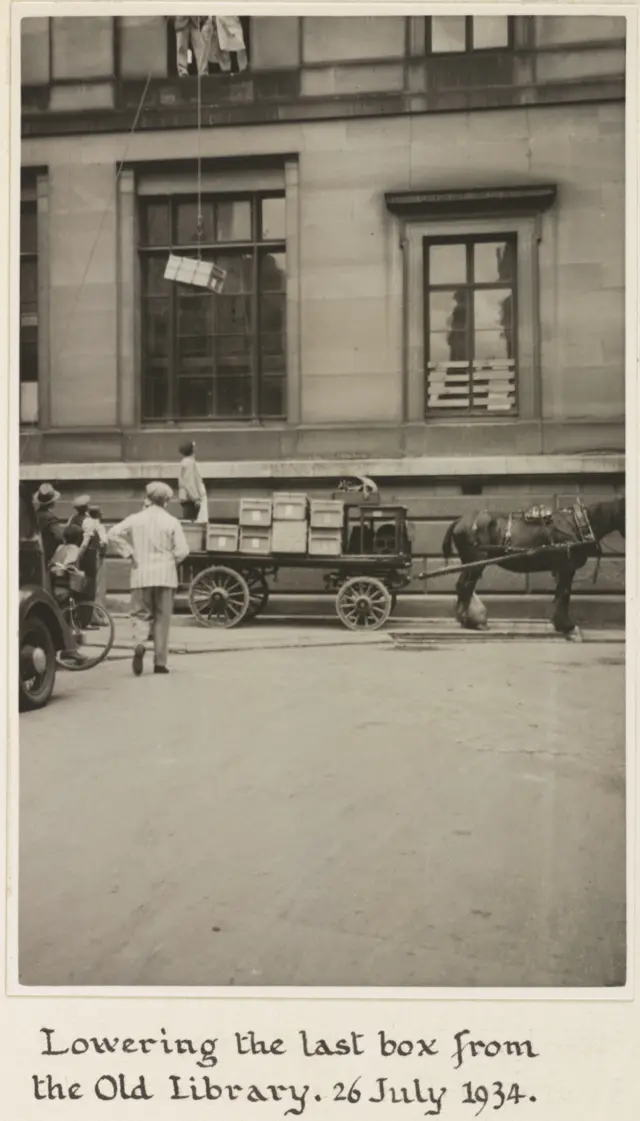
{"points": [[206, 356], [28, 312], [470, 324], [458, 34]]}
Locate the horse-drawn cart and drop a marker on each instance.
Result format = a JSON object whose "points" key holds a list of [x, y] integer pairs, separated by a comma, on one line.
{"points": [[372, 565], [372, 560]]}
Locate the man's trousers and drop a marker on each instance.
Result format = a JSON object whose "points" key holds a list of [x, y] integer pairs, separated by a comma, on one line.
{"points": [[151, 614]]}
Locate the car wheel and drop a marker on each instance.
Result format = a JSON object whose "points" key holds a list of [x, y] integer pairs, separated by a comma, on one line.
{"points": [[37, 667]]}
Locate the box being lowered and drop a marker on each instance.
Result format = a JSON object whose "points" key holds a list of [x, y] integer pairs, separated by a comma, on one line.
{"points": [[289, 537], [326, 513], [223, 538], [325, 542], [255, 511], [256, 540], [290, 507]]}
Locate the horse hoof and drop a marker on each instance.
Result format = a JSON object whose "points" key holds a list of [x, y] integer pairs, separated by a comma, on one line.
{"points": [[573, 635]]}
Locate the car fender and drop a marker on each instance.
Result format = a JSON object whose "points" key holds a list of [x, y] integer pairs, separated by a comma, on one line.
{"points": [[37, 601]]}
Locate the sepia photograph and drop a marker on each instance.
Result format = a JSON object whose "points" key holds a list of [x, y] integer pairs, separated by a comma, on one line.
{"points": [[320, 362]]}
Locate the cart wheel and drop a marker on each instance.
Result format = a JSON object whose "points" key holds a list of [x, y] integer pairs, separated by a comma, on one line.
{"points": [[258, 592], [219, 597], [363, 603]]}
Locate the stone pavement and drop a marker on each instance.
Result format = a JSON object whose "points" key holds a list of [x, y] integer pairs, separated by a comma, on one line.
{"points": [[285, 632]]}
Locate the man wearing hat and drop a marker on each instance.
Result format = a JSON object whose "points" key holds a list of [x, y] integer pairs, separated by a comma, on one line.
{"points": [[49, 523], [154, 541]]}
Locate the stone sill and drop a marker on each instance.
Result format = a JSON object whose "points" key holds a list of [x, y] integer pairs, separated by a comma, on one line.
{"points": [[415, 467], [277, 109]]}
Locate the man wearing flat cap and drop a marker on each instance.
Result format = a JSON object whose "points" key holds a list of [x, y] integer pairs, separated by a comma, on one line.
{"points": [[154, 541], [49, 523]]}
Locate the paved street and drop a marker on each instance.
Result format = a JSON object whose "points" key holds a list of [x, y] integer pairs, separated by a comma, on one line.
{"points": [[353, 815]]}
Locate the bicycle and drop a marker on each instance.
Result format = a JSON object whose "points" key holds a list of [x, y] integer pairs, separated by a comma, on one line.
{"points": [[92, 625]]}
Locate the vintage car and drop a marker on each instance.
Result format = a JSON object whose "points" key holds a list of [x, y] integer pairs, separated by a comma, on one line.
{"points": [[43, 632]]}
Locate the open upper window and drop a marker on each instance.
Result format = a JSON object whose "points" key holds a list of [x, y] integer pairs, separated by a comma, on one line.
{"points": [[463, 34]]}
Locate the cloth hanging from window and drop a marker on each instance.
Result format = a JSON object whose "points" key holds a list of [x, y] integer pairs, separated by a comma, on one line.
{"points": [[224, 36], [230, 34]]}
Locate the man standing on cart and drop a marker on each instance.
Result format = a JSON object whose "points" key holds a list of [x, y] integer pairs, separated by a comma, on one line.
{"points": [[156, 544]]}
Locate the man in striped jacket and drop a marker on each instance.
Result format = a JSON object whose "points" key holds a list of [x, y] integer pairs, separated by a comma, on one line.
{"points": [[154, 541]]}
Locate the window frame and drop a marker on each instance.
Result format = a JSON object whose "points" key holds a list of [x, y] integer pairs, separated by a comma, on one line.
{"points": [[469, 48], [526, 229], [258, 248], [470, 285], [29, 203]]}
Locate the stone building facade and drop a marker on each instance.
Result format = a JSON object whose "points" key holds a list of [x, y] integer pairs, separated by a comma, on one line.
{"points": [[422, 223]]}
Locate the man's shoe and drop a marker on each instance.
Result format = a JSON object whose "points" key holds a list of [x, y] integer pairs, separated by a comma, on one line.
{"points": [[160, 669], [138, 659]]}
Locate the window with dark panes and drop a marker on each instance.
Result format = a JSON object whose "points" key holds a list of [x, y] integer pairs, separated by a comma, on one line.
{"points": [[208, 356], [458, 34], [470, 324], [28, 313]]}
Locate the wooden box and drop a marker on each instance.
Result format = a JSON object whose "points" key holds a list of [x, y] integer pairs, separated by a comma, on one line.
{"points": [[256, 540], [326, 513], [223, 538], [290, 507], [289, 537], [195, 535], [325, 542], [255, 511]]}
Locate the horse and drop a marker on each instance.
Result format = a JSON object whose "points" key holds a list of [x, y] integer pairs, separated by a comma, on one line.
{"points": [[536, 540]]}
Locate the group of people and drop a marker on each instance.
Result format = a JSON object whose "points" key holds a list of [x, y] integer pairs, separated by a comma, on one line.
{"points": [[152, 539], [79, 545], [211, 39]]}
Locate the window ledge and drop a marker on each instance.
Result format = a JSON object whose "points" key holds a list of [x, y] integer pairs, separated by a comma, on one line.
{"points": [[471, 203]]}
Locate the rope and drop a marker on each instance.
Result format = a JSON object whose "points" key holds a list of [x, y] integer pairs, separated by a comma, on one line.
{"points": [[199, 220]]}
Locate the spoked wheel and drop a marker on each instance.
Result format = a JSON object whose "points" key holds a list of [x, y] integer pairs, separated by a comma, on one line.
{"points": [[94, 632], [219, 597], [363, 603], [258, 592], [37, 668]]}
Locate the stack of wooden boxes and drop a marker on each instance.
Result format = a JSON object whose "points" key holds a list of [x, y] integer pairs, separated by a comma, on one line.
{"points": [[326, 527], [256, 515], [290, 527], [285, 524]]}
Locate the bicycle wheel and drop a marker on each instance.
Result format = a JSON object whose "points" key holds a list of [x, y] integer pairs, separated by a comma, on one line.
{"points": [[94, 631]]}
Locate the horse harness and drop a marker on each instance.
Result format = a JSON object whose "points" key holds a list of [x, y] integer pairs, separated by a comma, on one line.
{"points": [[542, 516]]}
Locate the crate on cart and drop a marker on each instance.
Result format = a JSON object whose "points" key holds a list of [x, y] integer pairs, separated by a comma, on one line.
{"points": [[289, 537], [326, 513], [290, 507], [195, 536], [256, 511], [256, 539], [325, 542], [223, 538]]}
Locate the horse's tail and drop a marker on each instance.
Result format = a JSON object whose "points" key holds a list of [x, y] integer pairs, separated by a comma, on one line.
{"points": [[447, 541]]}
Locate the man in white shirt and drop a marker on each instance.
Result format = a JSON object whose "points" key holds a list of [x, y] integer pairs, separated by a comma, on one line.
{"points": [[154, 541]]}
